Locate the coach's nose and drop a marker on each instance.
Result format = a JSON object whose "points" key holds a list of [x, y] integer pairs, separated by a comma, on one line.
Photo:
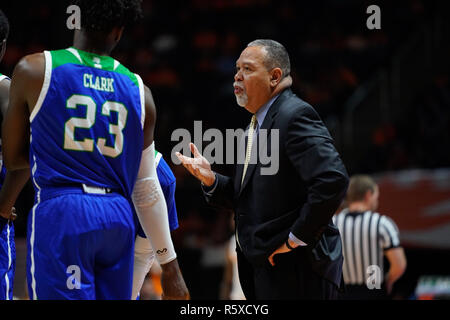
{"points": [[238, 76]]}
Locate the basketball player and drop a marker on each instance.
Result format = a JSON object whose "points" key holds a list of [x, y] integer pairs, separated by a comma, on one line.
{"points": [[7, 247], [144, 255], [84, 125]]}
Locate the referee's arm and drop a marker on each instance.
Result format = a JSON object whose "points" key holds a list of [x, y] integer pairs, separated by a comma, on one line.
{"points": [[393, 252], [397, 261]]}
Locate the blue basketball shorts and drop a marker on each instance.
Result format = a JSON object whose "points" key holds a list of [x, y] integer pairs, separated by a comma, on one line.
{"points": [[7, 259], [81, 246]]}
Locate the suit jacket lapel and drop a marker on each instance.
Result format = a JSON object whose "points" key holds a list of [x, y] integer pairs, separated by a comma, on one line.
{"points": [[267, 125]]}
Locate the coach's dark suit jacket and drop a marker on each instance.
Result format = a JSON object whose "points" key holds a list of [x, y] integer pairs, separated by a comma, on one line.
{"points": [[301, 198]]}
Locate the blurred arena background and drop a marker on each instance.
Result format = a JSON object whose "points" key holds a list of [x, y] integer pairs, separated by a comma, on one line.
{"points": [[383, 94]]}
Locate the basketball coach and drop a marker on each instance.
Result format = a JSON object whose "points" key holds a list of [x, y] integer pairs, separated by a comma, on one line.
{"points": [[287, 245]]}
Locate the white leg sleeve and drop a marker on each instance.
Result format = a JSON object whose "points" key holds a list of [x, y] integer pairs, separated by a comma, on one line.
{"points": [[151, 208], [143, 261]]}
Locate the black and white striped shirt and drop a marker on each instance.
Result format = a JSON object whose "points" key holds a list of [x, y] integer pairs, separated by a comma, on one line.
{"points": [[365, 236]]}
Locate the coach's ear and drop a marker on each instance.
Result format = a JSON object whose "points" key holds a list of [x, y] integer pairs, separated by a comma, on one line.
{"points": [[275, 77]]}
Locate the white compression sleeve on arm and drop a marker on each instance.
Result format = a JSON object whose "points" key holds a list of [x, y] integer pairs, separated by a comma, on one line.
{"points": [[151, 208], [143, 261]]}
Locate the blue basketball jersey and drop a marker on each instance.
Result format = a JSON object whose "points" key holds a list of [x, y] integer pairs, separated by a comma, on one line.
{"points": [[168, 185], [87, 125]]}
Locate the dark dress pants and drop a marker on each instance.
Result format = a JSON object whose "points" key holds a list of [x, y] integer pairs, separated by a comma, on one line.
{"points": [[290, 278]]}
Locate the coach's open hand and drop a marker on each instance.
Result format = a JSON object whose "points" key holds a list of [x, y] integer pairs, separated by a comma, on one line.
{"points": [[172, 282], [198, 166]]}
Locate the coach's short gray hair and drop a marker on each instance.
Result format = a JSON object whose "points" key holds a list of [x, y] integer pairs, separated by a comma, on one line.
{"points": [[276, 57]]}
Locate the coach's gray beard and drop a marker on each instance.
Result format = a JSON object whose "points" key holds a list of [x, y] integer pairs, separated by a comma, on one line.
{"points": [[242, 99]]}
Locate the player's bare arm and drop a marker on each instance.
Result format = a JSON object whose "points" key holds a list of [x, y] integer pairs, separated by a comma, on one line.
{"points": [[18, 101], [26, 83]]}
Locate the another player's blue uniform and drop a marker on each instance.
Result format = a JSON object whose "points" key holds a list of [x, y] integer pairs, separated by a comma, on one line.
{"points": [[85, 150], [7, 245], [168, 185]]}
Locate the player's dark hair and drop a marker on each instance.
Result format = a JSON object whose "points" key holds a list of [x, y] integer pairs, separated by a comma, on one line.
{"points": [[4, 26], [103, 15], [358, 187], [276, 57]]}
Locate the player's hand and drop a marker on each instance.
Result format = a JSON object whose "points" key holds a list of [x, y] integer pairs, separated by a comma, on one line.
{"points": [[172, 282], [9, 215], [198, 166]]}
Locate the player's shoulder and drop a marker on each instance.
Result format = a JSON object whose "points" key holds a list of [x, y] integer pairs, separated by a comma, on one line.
{"points": [[63, 56], [122, 69], [135, 78], [31, 59], [31, 65]]}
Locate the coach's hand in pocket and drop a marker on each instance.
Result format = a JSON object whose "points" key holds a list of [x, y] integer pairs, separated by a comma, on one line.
{"points": [[282, 249]]}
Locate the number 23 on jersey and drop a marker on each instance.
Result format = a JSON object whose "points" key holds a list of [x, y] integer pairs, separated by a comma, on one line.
{"points": [[89, 120]]}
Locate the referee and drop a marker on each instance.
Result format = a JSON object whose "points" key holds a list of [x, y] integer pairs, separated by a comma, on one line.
{"points": [[367, 236]]}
